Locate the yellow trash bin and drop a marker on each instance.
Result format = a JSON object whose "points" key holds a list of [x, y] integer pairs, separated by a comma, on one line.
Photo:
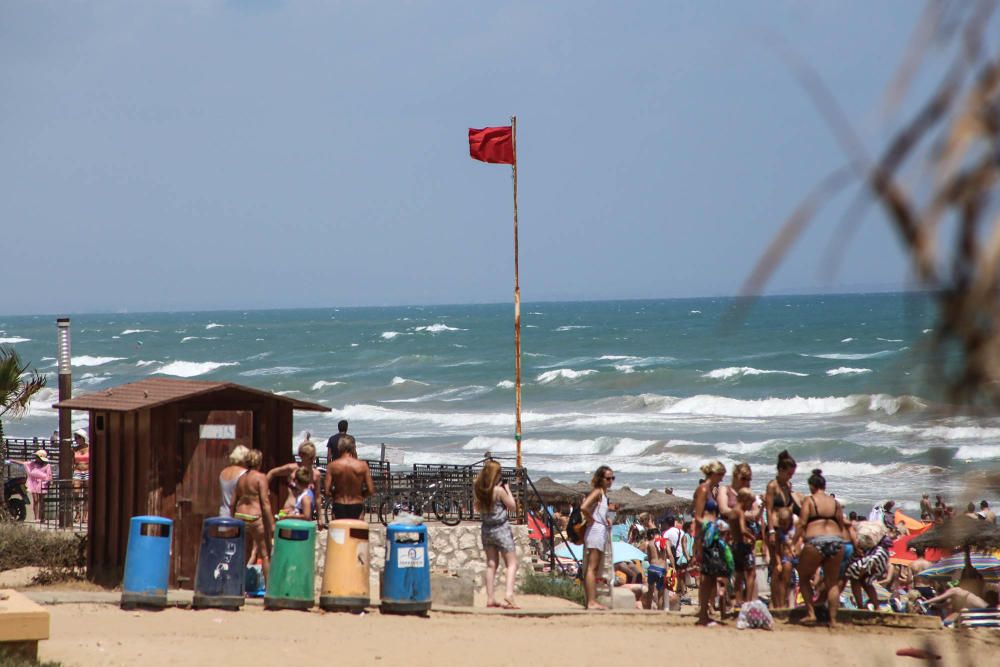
{"points": [[346, 568]]}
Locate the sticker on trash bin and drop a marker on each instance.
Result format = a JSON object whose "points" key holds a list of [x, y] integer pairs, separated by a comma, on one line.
{"points": [[410, 557], [338, 535]]}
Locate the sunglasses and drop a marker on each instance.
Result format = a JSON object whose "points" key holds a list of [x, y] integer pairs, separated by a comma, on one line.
{"points": [[610, 479]]}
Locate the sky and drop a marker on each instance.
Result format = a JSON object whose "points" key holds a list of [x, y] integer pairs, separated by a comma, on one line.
{"points": [[214, 155]]}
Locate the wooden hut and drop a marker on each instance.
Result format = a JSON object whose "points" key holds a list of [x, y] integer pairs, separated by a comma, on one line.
{"points": [[157, 447]]}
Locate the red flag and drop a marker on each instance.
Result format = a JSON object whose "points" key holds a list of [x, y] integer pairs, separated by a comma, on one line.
{"points": [[492, 144]]}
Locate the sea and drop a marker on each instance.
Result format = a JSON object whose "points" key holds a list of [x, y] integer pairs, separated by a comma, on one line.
{"points": [[652, 388]]}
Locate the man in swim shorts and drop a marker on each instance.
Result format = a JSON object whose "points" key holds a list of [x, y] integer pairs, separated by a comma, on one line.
{"points": [[348, 481]]}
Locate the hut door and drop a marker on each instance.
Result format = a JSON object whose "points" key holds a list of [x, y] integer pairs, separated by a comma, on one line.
{"points": [[208, 437]]}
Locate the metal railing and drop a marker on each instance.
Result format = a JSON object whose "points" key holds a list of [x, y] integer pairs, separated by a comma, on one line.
{"points": [[65, 496]]}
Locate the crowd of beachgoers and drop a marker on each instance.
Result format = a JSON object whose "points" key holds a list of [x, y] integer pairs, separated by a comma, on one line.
{"points": [[812, 553]]}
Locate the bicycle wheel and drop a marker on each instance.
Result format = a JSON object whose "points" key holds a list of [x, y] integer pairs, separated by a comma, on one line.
{"points": [[447, 510]]}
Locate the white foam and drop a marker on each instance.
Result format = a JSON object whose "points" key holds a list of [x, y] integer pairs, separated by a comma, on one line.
{"points": [[739, 371], [401, 380], [92, 379], [939, 432], [616, 357], [190, 369], [695, 312], [978, 452], [87, 360], [448, 395], [389, 335], [187, 338], [852, 357], [142, 363], [505, 384], [846, 370], [562, 374], [354, 344], [129, 332], [625, 368], [12, 340], [777, 407], [325, 383], [847, 340], [927, 331], [286, 393], [213, 325], [571, 327], [437, 328], [41, 402], [889, 340], [277, 370]]}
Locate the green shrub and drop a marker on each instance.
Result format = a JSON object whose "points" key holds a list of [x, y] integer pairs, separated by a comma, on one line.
{"points": [[552, 586], [60, 554]]}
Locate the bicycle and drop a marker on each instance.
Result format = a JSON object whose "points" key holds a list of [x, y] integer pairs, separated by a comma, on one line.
{"points": [[444, 505]]}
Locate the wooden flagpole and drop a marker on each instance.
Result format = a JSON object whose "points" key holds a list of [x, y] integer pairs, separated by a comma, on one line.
{"points": [[517, 307]]}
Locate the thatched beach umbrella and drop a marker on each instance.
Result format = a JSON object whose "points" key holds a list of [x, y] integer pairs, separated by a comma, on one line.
{"points": [[554, 492], [626, 499], [962, 532], [658, 501]]}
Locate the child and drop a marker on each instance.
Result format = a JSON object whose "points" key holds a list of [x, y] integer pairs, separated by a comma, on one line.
{"points": [[305, 503], [744, 542], [307, 454], [656, 548]]}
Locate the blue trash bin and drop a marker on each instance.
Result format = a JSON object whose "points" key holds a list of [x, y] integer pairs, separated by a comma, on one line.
{"points": [[220, 579], [406, 579], [147, 562]]}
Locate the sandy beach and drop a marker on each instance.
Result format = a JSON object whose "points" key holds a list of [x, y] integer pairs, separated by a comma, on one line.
{"points": [[88, 635]]}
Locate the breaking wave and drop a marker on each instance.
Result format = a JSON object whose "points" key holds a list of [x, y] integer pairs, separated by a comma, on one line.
{"points": [[13, 340], [190, 369], [436, 328], [325, 383], [562, 374], [844, 370], [739, 371], [721, 406], [87, 360]]}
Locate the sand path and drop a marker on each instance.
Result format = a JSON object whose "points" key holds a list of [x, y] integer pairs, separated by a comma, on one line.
{"points": [[93, 634]]}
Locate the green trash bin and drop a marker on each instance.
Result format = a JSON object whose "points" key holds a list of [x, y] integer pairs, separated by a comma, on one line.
{"points": [[293, 566]]}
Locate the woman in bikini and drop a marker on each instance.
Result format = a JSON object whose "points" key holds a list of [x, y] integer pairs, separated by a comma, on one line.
{"points": [[307, 456], [253, 506], [81, 469], [595, 509], [229, 476], [781, 505], [822, 525], [708, 544]]}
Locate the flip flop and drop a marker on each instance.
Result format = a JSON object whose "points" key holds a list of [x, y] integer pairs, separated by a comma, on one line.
{"points": [[507, 604], [492, 605]]}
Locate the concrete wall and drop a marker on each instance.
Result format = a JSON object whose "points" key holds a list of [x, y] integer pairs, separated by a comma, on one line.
{"points": [[455, 550]]}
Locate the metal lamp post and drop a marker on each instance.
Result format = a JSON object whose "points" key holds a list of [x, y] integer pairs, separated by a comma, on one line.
{"points": [[65, 362]]}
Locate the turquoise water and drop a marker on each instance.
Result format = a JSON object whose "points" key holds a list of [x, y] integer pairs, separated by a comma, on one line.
{"points": [[652, 388]]}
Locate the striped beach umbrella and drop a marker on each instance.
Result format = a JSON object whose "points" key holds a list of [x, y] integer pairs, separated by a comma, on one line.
{"points": [[946, 567]]}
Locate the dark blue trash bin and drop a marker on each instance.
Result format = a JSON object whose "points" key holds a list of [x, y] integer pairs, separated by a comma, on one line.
{"points": [[147, 562], [406, 579], [219, 581]]}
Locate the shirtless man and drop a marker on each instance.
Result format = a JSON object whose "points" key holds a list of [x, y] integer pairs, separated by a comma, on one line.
{"points": [[919, 565], [253, 506], [348, 481]]}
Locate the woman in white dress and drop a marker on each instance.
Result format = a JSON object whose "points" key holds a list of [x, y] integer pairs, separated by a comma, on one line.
{"points": [[595, 539]]}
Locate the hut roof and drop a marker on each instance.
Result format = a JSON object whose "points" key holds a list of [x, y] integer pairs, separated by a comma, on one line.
{"points": [[961, 532], [153, 392]]}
